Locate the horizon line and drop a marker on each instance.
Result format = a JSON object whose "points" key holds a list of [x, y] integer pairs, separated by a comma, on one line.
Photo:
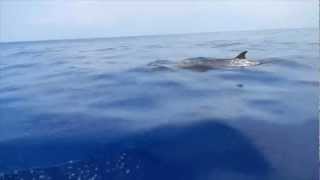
{"points": [[149, 35]]}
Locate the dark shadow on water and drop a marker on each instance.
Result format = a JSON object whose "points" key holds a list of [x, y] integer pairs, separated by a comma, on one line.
{"points": [[201, 150]]}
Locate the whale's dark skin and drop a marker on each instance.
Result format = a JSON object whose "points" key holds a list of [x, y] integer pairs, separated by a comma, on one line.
{"points": [[207, 63], [202, 64]]}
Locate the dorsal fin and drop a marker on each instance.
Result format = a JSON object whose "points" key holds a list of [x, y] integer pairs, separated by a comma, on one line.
{"points": [[242, 55]]}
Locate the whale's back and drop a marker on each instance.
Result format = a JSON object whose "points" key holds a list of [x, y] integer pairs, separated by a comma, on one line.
{"points": [[206, 63]]}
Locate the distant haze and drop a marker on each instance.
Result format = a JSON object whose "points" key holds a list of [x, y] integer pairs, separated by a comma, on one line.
{"points": [[22, 20]]}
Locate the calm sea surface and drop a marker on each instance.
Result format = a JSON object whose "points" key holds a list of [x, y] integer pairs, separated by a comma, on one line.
{"points": [[81, 109]]}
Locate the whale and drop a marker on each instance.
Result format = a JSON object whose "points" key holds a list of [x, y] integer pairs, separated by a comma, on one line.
{"points": [[202, 64], [207, 63]]}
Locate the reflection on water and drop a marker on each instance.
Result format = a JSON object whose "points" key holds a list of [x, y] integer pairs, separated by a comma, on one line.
{"points": [[90, 109]]}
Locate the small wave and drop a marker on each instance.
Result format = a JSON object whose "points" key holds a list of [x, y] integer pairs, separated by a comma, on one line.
{"points": [[225, 45], [9, 89], [27, 53], [111, 62], [18, 66], [155, 68], [289, 43], [155, 46], [11, 100], [77, 57], [105, 49], [63, 74], [218, 44], [114, 56], [286, 62], [308, 83], [129, 103], [102, 76], [269, 105], [167, 84], [252, 76]]}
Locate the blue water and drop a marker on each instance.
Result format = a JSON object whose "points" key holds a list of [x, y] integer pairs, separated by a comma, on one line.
{"points": [[82, 109]]}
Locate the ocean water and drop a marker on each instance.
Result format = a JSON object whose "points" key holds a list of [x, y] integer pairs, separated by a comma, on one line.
{"points": [[94, 109]]}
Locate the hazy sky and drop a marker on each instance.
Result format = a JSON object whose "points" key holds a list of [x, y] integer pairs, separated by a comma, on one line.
{"points": [[22, 20]]}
